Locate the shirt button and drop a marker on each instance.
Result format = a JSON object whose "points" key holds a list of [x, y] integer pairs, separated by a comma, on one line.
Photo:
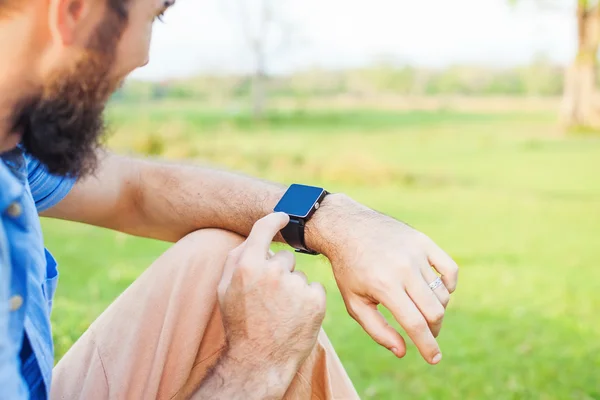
{"points": [[15, 303], [14, 210]]}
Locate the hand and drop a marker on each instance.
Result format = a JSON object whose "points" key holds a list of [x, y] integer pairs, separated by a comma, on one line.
{"points": [[271, 315], [378, 260]]}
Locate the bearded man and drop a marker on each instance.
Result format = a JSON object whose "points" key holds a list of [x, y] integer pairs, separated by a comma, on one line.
{"points": [[217, 316]]}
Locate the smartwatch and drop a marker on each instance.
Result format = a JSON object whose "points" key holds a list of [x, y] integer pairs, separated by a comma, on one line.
{"points": [[299, 202]]}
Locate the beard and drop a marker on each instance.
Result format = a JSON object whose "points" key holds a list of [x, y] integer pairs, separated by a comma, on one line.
{"points": [[62, 127]]}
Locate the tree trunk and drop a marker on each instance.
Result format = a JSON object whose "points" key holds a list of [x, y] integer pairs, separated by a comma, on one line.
{"points": [[580, 105]]}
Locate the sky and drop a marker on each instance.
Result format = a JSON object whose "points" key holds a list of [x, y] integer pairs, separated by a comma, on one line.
{"points": [[207, 35]]}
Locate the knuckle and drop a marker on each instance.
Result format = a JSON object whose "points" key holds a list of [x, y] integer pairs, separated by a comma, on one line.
{"points": [[411, 262], [454, 268], [422, 239], [452, 287], [318, 297], [381, 283], [450, 284], [456, 272], [273, 271], [436, 317], [452, 273], [291, 258], [315, 314], [286, 258], [288, 254], [272, 279], [379, 337], [445, 298], [301, 276], [351, 309], [405, 260], [416, 327]]}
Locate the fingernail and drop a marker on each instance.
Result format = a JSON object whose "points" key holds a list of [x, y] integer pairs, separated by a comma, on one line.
{"points": [[395, 351], [437, 358]]}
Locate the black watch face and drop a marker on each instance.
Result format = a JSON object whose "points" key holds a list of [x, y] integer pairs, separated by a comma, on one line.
{"points": [[299, 200]]}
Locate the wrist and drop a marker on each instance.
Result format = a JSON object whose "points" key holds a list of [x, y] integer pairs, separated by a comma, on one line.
{"points": [[264, 378], [329, 224]]}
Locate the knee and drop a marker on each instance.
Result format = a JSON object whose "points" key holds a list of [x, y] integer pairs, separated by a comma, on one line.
{"points": [[206, 248], [218, 237], [210, 241]]}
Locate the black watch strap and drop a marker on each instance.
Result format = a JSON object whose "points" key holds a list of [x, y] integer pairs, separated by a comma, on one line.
{"points": [[293, 233]]}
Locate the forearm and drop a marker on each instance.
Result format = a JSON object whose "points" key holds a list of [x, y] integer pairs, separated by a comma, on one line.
{"points": [[167, 201], [175, 200]]}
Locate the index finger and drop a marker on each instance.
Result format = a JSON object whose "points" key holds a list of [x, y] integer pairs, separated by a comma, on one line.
{"points": [[229, 267], [264, 230], [412, 321]]}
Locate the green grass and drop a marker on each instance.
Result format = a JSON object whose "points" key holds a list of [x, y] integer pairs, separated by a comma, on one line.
{"points": [[515, 204]]}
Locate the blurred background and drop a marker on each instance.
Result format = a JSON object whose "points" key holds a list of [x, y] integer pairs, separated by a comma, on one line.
{"points": [[473, 120]]}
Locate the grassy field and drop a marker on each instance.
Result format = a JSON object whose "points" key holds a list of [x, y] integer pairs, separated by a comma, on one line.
{"points": [[513, 201]]}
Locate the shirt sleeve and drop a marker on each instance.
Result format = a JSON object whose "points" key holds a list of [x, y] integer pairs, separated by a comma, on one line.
{"points": [[47, 189], [11, 381]]}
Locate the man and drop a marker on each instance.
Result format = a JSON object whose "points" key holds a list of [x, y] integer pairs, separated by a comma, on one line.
{"points": [[217, 316]]}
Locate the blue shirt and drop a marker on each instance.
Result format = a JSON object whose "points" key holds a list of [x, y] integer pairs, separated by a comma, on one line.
{"points": [[28, 276]]}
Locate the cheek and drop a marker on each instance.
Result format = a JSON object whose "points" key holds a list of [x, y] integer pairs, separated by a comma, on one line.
{"points": [[133, 50]]}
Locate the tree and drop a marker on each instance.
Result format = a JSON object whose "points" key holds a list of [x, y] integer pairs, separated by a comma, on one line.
{"points": [[580, 106], [268, 31]]}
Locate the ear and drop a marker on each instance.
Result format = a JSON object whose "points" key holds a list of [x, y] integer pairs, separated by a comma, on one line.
{"points": [[68, 19]]}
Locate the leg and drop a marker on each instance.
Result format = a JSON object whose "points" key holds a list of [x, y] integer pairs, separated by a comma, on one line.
{"points": [[162, 335]]}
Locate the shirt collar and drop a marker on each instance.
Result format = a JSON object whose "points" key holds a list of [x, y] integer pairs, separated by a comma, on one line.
{"points": [[11, 186]]}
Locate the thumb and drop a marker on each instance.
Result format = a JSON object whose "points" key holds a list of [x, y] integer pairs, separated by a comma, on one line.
{"points": [[229, 268], [375, 324]]}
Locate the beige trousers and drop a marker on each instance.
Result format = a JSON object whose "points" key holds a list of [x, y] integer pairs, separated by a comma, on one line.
{"points": [[161, 336]]}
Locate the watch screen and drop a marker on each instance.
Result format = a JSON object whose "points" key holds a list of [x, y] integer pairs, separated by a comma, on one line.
{"points": [[299, 200]]}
